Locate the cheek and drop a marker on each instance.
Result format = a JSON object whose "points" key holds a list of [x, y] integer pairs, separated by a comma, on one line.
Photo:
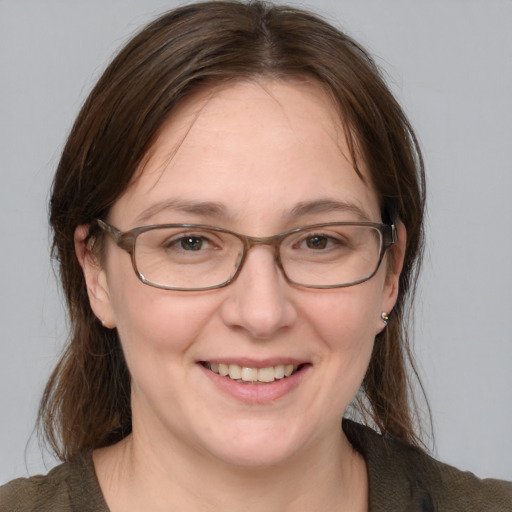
{"points": [[159, 333], [344, 330], [156, 320], [346, 318], [345, 321], [152, 323]]}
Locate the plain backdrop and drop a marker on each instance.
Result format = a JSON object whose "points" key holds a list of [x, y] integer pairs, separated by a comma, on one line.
{"points": [[450, 64]]}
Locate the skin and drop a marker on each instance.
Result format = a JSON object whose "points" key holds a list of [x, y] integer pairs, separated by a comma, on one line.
{"points": [[256, 149]]}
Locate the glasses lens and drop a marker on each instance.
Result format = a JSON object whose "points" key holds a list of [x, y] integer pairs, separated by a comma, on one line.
{"points": [[194, 258], [186, 258], [330, 256]]}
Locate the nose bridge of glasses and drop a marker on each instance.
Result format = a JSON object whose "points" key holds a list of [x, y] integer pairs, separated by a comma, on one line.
{"points": [[253, 241], [273, 241]]}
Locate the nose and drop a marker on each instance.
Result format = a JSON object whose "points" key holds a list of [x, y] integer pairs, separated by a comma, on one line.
{"points": [[258, 300]]}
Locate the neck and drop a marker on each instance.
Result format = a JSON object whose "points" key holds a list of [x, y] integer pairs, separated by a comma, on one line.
{"points": [[137, 475]]}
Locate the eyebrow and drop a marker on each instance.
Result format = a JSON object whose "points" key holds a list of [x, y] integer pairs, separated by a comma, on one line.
{"points": [[218, 210], [328, 205], [203, 208]]}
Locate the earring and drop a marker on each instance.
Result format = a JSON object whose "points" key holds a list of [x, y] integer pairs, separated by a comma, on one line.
{"points": [[384, 317]]}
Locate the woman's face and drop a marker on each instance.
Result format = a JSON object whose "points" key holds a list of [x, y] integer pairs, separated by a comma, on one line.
{"points": [[257, 158]]}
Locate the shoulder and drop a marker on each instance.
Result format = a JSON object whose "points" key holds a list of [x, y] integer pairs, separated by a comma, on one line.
{"points": [[465, 490], [68, 487], [41, 493], [403, 477]]}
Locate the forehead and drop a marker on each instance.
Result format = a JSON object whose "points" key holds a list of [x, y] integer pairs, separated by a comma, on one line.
{"points": [[299, 106], [254, 148]]}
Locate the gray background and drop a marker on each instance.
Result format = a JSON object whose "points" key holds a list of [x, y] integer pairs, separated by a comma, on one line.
{"points": [[450, 64]]}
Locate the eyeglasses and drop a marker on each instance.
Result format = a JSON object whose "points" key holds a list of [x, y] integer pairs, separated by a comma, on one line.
{"points": [[192, 257]]}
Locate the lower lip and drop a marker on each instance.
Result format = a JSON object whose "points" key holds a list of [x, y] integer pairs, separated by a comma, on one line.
{"points": [[257, 393]]}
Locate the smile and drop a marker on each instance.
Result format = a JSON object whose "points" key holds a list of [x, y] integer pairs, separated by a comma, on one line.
{"points": [[247, 375]]}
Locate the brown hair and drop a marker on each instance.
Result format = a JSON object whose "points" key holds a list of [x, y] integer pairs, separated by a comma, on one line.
{"points": [[86, 403]]}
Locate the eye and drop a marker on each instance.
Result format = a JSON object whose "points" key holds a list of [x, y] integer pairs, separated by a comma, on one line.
{"points": [[190, 243], [320, 241], [181, 243], [317, 242]]}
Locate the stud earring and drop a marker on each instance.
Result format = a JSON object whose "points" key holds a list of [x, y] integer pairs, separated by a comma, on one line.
{"points": [[384, 317]]}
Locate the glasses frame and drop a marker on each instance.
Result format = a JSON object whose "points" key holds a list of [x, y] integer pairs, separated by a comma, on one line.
{"points": [[126, 240]]}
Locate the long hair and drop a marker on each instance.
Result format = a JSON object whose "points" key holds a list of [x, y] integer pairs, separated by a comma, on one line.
{"points": [[86, 403]]}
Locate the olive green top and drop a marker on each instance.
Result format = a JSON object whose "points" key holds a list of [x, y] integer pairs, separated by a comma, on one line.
{"points": [[401, 479]]}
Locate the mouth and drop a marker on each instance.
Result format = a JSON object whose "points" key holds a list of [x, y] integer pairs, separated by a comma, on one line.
{"points": [[251, 375]]}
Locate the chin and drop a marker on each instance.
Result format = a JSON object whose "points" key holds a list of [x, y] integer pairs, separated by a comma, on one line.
{"points": [[254, 457], [256, 447]]}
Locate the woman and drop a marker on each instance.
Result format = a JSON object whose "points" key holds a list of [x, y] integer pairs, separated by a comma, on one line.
{"points": [[238, 216]]}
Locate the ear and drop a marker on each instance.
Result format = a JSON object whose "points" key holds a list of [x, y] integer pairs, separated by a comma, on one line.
{"points": [[395, 262], [95, 278]]}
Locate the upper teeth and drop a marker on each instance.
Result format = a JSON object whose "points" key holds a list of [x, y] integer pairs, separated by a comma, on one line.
{"points": [[247, 374]]}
